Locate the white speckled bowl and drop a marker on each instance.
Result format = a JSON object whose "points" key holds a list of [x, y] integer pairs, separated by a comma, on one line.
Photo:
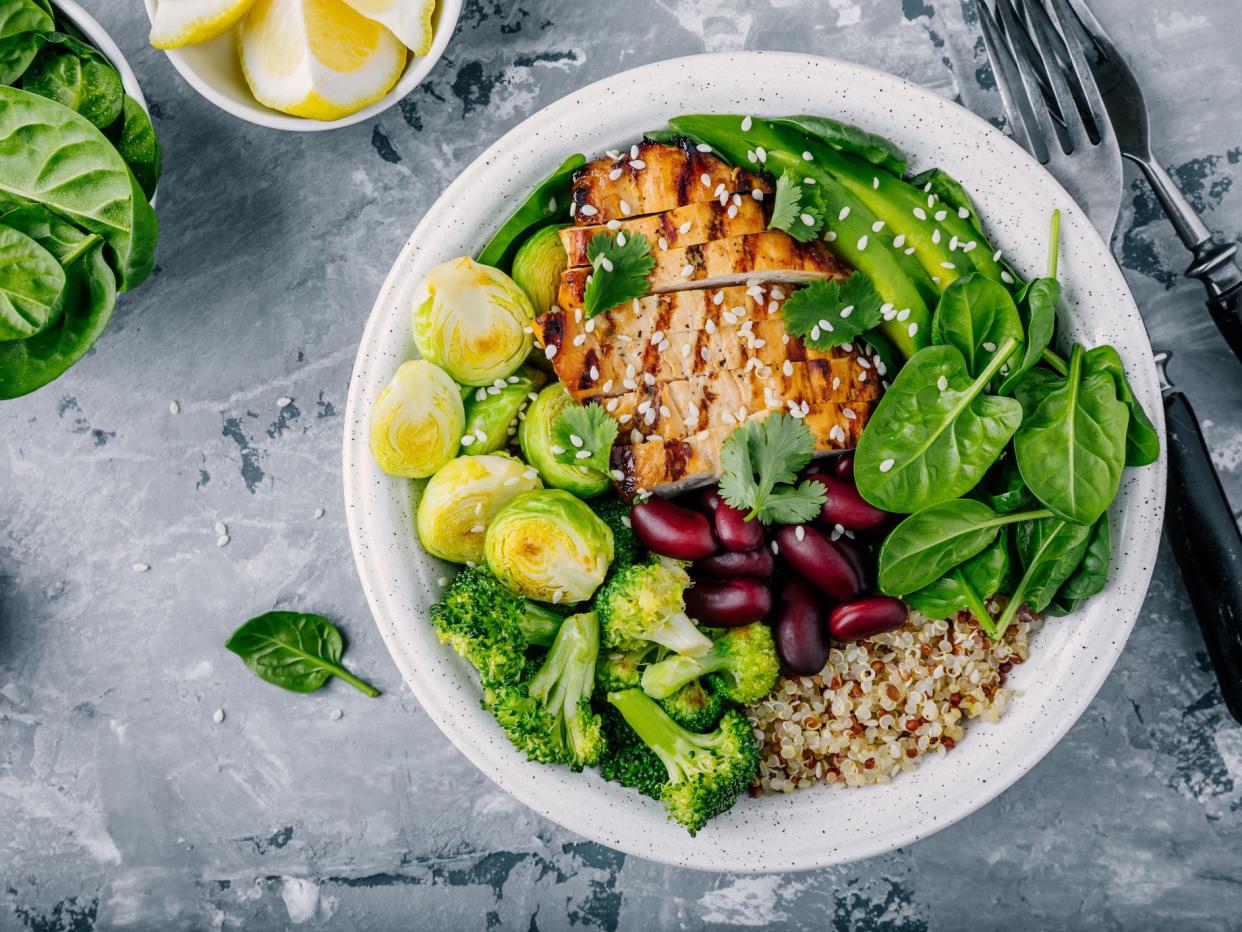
{"points": [[213, 69], [1071, 656]]}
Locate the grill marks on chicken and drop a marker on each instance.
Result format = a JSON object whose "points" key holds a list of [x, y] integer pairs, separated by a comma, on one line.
{"points": [[691, 225]]}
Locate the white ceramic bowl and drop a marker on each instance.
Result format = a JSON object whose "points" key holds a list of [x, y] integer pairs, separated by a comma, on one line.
{"points": [[214, 70], [1071, 656]]}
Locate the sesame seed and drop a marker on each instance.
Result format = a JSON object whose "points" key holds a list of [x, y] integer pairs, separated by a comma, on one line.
{"points": [[757, 194], [996, 256], [732, 211], [931, 200], [684, 228], [625, 207], [614, 174], [583, 455], [750, 155], [607, 386], [886, 465], [629, 384], [531, 474], [605, 263], [616, 474], [746, 124], [637, 164], [920, 213], [703, 147], [936, 235], [217, 716], [864, 362], [706, 179], [318, 513], [787, 368], [830, 236], [576, 440], [616, 225], [649, 378], [174, 407], [634, 151], [899, 240], [941, 214], [587, 210], [847, 311], [1006, 277], [909, 250], [952, 243], [877, 226], [947, 265], [467, 440], [594, 373], [849, 413], [761, 154], [912, 329], [815, 333], [335, 715], [989, 346], [222, 540], [942, 383], [550, 350], [662, 243], [720, 189], [687, 271], [578, 341], [807, 219], [775, 549], [283, 402], [836, 382], [625, 419], [718, 298], [556, 449], [800, 532], [710, 326], [862, 376], [140, 567], [862, 242], [963, 212], [875, 182], [512, 480], [843, 212]]}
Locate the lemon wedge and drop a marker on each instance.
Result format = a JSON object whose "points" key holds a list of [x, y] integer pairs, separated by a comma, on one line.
{"points": [[189, 22], [409, 20], [317, 58]]}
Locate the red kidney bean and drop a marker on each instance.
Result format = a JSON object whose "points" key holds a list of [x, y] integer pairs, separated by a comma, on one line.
{"points": [[673, 531], [819, 561], [843, 467], [729, 603], [863, 562], [734, 531], [864, 618], [758, 563], [707, 500], [800, 631], [844, 506]]}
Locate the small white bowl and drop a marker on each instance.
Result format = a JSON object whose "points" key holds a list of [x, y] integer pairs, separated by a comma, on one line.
{"points": [[213, 69]]}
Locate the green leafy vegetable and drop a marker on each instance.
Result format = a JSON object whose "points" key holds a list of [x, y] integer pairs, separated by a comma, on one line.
{"points": [[1003, 489], [934, 433], [1142, 441], [22, 25], [1091, 576], [760, 462], [31, 282], [1071, 445], [1039, 299], [547, 203], [793, 212], [850, 139], [1051, 549], [139, 146], [583, 436], [828, 313], [78, 77], [977, 315], [621, 265], [294, 650], [965, 586]]}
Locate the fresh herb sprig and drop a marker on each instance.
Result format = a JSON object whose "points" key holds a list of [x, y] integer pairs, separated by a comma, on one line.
{"points": [[582, 435], [796, 210], [828, 313], [620, 265], [760, 463]]}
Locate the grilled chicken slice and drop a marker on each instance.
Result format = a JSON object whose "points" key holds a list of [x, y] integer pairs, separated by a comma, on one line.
{"points": [[691, 225], [654, 177], [671, 466], [771, 256]]}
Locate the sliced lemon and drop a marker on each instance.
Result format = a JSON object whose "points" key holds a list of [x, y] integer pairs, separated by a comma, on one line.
{"points": [[189, 22], [409, 20], [317, 58]]}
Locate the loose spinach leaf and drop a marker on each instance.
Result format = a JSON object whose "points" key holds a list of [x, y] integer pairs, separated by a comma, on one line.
{"points": [[1071, 445], [934, 433], [976, 315], [78, 77], [22, 24], [55, 157], [1091, 576], [1039, 300], [965, 586], [546, 204], [850, 139], [828, 313], [1142, 441], [139, 146], [1003, 489], [31, 283], [1050, 549], [294, 650], [928, 544]]}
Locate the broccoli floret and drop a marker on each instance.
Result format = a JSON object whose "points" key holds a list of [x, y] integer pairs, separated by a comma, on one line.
{"points": [[623, 669], [550, 716], [490, 626], [616, 514], [742, 666], [694, 707], [705, 774], [626, 759], [645, 603]]}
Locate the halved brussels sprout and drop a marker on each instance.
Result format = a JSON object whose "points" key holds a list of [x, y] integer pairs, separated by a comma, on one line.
{"points": [[535, 436], [462, 498], [417, 421], [472, 320], [492, 411], [549, 546], [538, 265]]}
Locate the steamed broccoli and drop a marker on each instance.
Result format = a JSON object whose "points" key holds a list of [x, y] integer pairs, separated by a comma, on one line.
{"points": [[742, 666], [623, 669], [550, 716], [490, 626], [626, 759], [694, 707], [705, 774], [645, 603]]}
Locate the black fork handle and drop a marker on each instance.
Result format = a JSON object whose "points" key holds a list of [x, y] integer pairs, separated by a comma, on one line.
{"points": [[1208, 547]]}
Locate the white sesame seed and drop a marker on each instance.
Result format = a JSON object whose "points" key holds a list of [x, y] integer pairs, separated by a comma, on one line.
{"points": [[140, 567], [815, 333], [847, 311], [862, 376], [757, 194], [637, 164], [706, 179], [996, 256], [750, 155], [936, 235], [687, 271], [550, 350], [317, 514], [710, 326], [909, 250], [467, 440], [531, 474], [174, 407], [989, 346], [335, 715], [614, 174], [594, 373], [775, 549], [1006, 277], [836, 382], [607, 386], [761, 154], [583, 455], [963, 212], [587, 210], [808, 157], [877, 226], [703, 147], [843, 212], [662, 243], [625, 207], [912, 329], [886, 465], [800, 532], [875, 182], [942, 383], [947, 265], [849, 413], [746, 124], [862, 242], [787, 368], [616, 225], [556, 449], [899, 240], [222, 540], [217, 716], [807, 219], [684, 228], [576, 440], [920, 213], [478, 528], [605, 263], [941, 214], [830, 236], [283, 402]]}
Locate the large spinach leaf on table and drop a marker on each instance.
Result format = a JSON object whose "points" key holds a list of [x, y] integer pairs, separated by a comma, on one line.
{"points": [[31, 282], [295, 651]]}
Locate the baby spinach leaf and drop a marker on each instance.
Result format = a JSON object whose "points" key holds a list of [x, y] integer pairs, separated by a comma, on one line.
{"points": [[976, 315], [22, 24], [1003, 489], [929, 543], [934, 433], [1039, 300], [31, 282], [295, 651], [965, 586], [1091, 576], [139, 146], [850, 139], [78, 77], [55, 157], [547, 203], [1142, 441], [1051, 550], [1071, 445]]}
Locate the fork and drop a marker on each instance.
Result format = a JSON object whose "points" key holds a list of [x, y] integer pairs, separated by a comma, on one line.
{"points": [[1058, 113]]}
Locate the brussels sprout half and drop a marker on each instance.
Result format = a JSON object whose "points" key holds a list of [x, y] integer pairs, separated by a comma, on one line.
{"points": [[535, 437], [461, 499], [417, 421], [473, 321], [492, 412], [549, 546], [538, 265]]}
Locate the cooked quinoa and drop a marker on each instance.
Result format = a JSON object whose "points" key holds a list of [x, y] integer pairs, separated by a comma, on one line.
{"points": [[881, 704]]}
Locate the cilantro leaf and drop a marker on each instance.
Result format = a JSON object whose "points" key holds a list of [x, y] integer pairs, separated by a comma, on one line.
{"points": [[620, 266], [828, 313], [582, 435], [760, 462], [796, 210]]}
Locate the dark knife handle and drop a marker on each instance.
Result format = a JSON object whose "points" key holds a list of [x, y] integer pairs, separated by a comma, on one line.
{"points": [[1227, 312], [1216, 266], [1208, 547]]}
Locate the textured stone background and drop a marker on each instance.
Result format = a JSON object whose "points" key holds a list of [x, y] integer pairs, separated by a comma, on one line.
{"points": [[123, 805]]}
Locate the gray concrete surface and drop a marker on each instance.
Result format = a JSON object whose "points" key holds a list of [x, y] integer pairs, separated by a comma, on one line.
{"points": [[124, 805]]}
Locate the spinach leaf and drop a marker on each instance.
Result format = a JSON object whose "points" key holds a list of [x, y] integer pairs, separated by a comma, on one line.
{"points": [[1039, 299], [1091, 576], [1050, 550], [948, 189], [1071, 445], [294, 650], [546, 204], [928, 544], [976, 315], [1142, 441], [1003, 489], [31, 282], [965, 586], [53, 156], [849, 139], [22, 24], [934, 433], [78, 77]]}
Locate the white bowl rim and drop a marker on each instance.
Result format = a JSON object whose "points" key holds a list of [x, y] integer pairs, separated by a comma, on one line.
{"points": [[416, 70], [1141, 501]]}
